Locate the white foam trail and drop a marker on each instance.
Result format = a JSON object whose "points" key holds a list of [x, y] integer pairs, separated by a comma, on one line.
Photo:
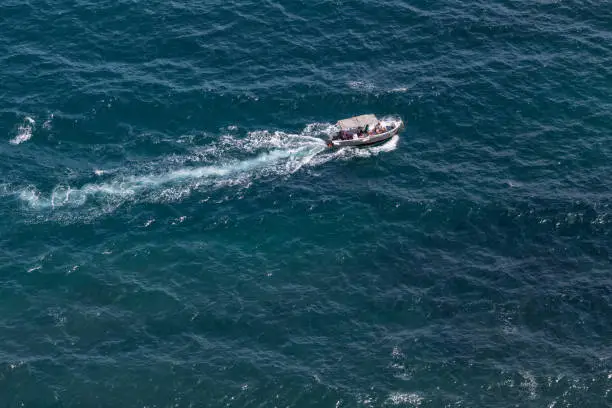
{"points": [[30, 195], [386, 147], [175, 182], [272, 154], [349, 153]]}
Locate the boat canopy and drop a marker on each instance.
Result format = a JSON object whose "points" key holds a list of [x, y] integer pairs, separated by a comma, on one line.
{"points": [[358, 121]]}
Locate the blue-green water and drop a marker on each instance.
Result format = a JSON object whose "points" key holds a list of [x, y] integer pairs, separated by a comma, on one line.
{"points": [[174, 233]]}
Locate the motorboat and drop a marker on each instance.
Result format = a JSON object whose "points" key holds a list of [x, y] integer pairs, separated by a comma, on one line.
{"points": [[364, 130]]}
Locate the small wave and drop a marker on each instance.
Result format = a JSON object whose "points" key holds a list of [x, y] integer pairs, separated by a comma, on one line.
{"points": [[369, 87], [411, 398], [24, 131], [48, 123], [16, 365], [361, 85]]}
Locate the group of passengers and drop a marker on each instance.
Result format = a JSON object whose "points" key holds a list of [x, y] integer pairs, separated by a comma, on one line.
{"points": [[378, 129], [363, 132]]}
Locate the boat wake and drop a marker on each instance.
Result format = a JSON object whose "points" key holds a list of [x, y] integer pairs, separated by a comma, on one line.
{"points": [[230, 161]]}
